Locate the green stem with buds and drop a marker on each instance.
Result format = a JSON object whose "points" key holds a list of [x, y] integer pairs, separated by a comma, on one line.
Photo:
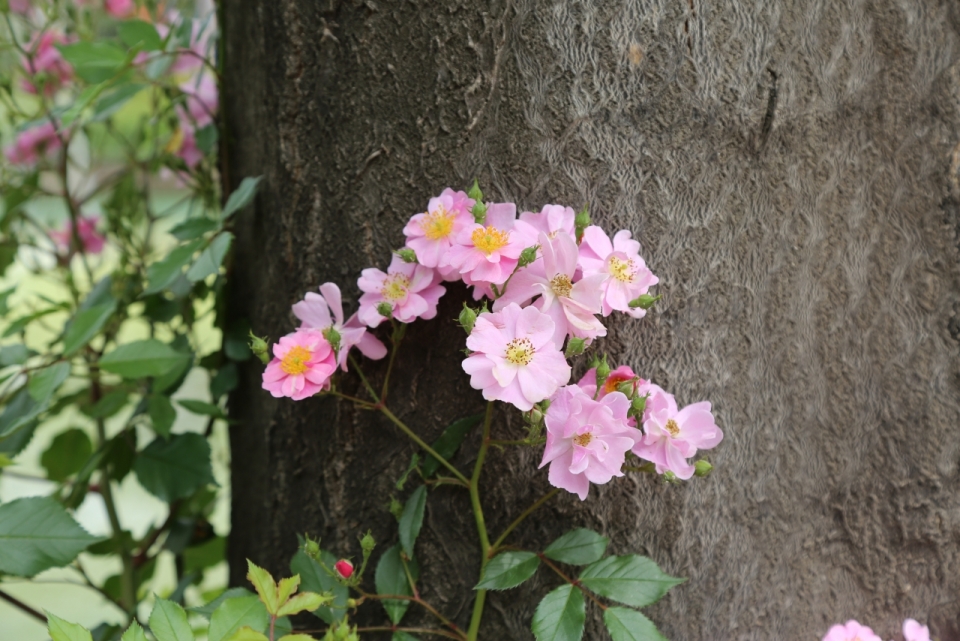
{"points": [[481, 524]]}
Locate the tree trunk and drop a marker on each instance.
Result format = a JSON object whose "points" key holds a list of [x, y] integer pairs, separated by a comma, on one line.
{"points": [[791, 171]]}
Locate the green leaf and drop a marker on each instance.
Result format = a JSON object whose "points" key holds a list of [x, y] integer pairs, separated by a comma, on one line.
{"points": [[36, 533], [176, 468], [162, 413], [577, 547], [112, 102], [446, 446], [226, 380], [296, 637], [67, 454], [560, 615], [21, 323], [508, 570], [168, 622], [400, 635], [86, 325], [5, 294], [143, 358], [44, 383], [95, 61], [207, 610], [109, 405], [16, 354], [162, 274], [61, 630], [265, 586], [233, 614], [412, 519], [134, 633], [241, 197], [315, 579], [202, 408], [391, 579], [632, 579], [303, 602], [19, 413], [625, 624], [86, 97], [136, 32], [211, 258], [246, 633], [206, 555], [194, 228]]}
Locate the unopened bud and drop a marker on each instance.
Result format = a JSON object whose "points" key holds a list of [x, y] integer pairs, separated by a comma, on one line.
{"points": [[638, 404], [575, 347], [396, 508], [603, 371], [407, 255], [581, 221], [311, 548], [628, 388], [475, 193], [468, 318], [367, 542], [528, 255], [645, 301], [333, 337], [670, 477], [479, 212], [702, 468], [351, 603], [260, 347], [344, 568], [535, 416], [385, 309]]}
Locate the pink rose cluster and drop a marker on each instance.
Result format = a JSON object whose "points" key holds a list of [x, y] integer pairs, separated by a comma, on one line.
{"points": [[854, 631], [44, 64]]}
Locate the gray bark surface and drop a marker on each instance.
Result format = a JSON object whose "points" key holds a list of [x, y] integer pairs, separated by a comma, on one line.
{"points": [[806, 243]]}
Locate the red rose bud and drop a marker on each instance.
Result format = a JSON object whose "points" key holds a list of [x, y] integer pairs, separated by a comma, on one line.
{"points": [[344, 568]]}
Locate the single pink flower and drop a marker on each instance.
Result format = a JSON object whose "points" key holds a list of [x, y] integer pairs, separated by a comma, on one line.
{"points": [[184, 144], [303, 365], [913, 631], [514, 358], [671, 436], [625, 275], [411, 289], [344, 568], [90, 238], [552, 220], [20, 6], [314, 313], [120, 8], [587, 440], [31, 144], [45, 65], [620, 375], [571, 305], [202, 98], [486, 254], [851, 631], [431, 234]]}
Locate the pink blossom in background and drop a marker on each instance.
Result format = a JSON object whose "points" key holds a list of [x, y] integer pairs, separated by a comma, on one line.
{"points": [[672, 436], [571, 305], [913, 631], [45, 60], [90, 238], [185, 142], [33, 143], [851, 631], [314, 313], [552, 220], [20, 6], [120, 8], [202, 98], [625, 275], [302, 366], [431, 234], [514, 358], [413, 291], [620, 375], [486, 254], [587, 440]]}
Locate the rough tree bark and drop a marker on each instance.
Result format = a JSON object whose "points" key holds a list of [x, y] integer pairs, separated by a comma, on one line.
{"points": [[787, 167]]}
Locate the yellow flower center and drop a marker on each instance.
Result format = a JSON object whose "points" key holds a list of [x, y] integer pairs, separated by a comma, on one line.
{"points": [[395, 287], [561, 285], [520, 351], [489, 239], [622, 270], [437, 224], [584, 439], [673, 428], [295, 362]]}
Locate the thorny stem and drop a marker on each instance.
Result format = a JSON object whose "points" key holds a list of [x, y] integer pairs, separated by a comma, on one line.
{"points": [[396, 339], [530, 510], [481, 524], [17, 603], [573, 582], [273, 622]]}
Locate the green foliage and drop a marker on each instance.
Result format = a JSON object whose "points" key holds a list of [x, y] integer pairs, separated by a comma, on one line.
{"points": [[168, 622], [61, 630], [448, 443], [412, 519], [87, 324], [577, 547], [144, 358], [625, 624], [634, 580], [209, 261], [560, 616], [175, 468], [508, 570], [392, 579], [316, 579], [233, 614], [241, 197], [37, 534], [67, 454]]}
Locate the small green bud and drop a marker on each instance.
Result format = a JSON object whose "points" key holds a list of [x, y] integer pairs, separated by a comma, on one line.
{"points": [[594, 362], [628, 388], [638, 404], [544, 405], [260, 347], [702, 468], [670, 477], [311, 548], [575, 347], [645, 301], [468, 318], [479, 212], [581, 221], [385, 309], [475, 193], [528, 255], [407, 255], [351, 603], [534, 416], [396, 507], [603, 371], [333, 337], [367, 543]]}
